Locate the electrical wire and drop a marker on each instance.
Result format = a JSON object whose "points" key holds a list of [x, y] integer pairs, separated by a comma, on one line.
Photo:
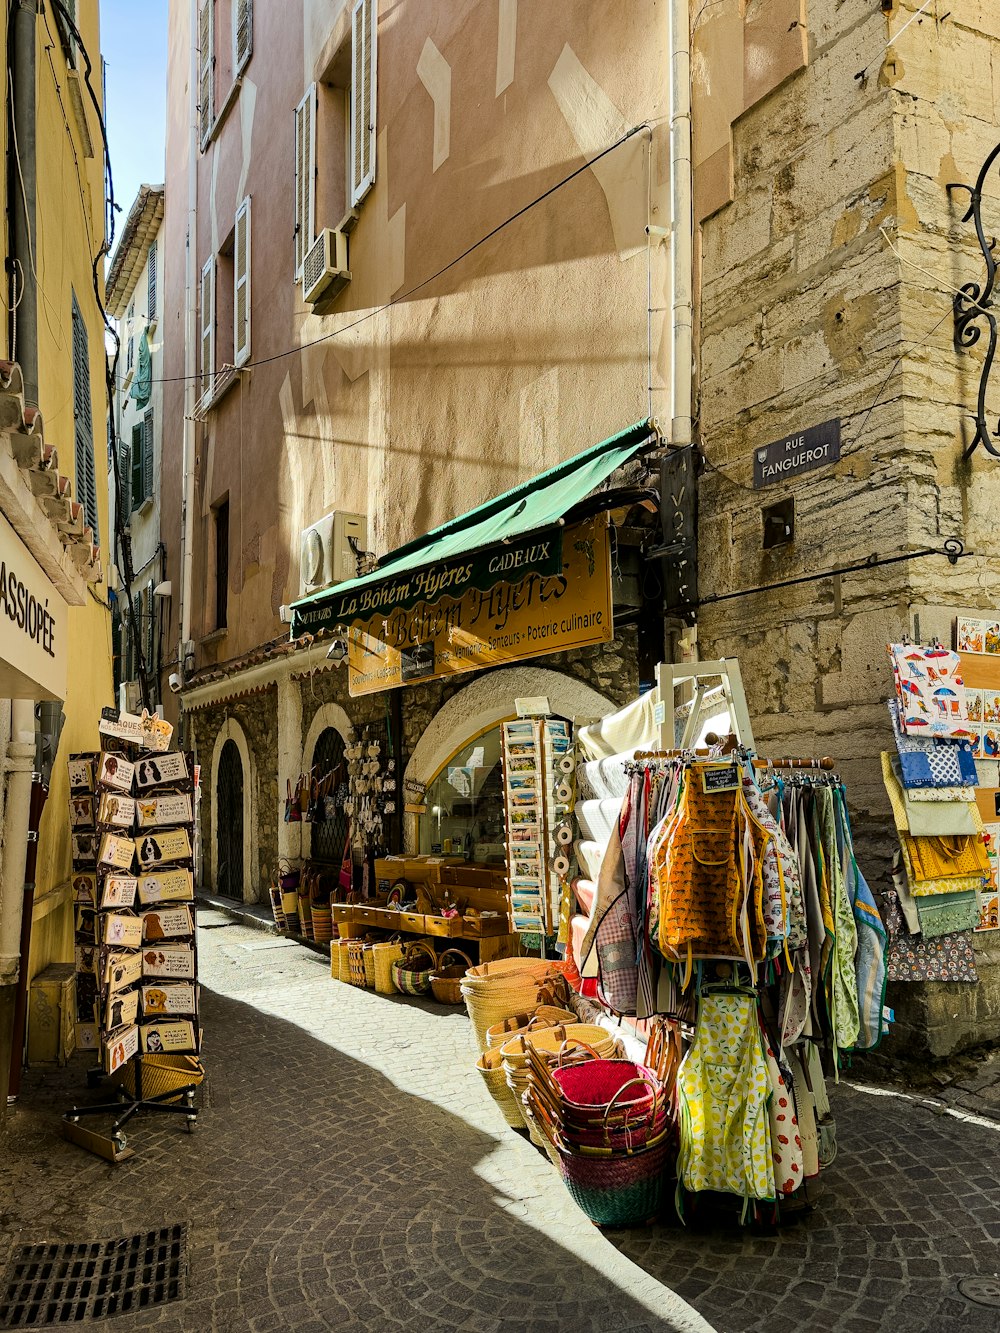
{"points": [[424, 282]]}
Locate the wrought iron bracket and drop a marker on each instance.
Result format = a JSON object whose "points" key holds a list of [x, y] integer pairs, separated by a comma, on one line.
{"points": [[973, 308]]}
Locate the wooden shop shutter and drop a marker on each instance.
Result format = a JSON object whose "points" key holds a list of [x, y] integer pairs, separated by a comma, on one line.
{"points": [[364, 40], [241, 293], [147, 455], [305, 177], [135, 469], [151, 285]]}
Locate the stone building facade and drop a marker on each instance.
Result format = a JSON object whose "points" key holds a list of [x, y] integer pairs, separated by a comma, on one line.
{"points": [[829, 258]]}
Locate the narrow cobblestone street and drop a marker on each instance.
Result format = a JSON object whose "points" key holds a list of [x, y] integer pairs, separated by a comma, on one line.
{"points": [[349, 1171]]}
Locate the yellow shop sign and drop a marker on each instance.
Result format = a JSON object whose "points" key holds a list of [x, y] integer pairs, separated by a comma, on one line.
{"points": [[506, 623]]}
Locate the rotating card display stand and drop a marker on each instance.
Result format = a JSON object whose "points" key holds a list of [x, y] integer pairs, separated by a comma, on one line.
{"points": [[131, 811], [539, 833]]}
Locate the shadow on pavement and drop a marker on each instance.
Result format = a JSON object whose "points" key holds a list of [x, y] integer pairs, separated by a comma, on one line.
{"points": [[910, 1207], [318, 1195]]}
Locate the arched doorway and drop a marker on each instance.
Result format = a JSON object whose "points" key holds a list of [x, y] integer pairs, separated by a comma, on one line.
{"points": [[229, 825], [329, 835]]}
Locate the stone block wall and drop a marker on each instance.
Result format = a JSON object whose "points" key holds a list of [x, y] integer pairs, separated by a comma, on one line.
{"points": [[826, 292], [257, 716]]}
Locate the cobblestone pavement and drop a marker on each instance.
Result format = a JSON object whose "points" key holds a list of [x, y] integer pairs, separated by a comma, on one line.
{"points": [[348, 1172], [910, 1208]]}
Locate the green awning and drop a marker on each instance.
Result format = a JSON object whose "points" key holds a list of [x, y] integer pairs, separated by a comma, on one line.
{"points": [[536, 504]]}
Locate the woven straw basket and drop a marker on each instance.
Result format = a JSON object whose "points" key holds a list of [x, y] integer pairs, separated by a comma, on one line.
{"points": [[545, 1016], [163, 1073], [383, 957], [490, 1066], [498, 990]]}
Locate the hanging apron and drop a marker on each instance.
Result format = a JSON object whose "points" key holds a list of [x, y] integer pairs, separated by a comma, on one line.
{"points": [[723, 1089]]}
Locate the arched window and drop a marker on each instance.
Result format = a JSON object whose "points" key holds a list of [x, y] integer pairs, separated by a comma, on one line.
{"points": [[329, 835], [464, 803]]}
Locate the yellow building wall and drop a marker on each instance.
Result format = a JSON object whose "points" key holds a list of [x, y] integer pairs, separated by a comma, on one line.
{"points": [[69, 232]]}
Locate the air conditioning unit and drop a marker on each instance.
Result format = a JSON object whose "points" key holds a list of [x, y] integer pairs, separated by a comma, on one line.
{"points": [[327, 555], [324, 269], [128, 696]]}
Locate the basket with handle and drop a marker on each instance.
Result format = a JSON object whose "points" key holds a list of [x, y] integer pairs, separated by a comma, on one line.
{"points": [[340, 963], [274, 893], [497, 990], [162, 1074], [545, 1016], [383, 957], [322, 922], [407, 977], [369, 965], [356, 962], [490, 1066], [305, 914], [446, 979]]}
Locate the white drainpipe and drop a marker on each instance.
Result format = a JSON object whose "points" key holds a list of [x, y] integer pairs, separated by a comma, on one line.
{"points": [[191, 343], [18, 765], [681, 276]]}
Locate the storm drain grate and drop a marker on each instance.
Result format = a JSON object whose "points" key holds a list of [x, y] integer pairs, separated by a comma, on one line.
{"points": [[66, 1284]]}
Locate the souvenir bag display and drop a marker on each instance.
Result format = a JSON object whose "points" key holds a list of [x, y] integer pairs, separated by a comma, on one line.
{"points": [[911, 957], [926, 762], [930, 690]]}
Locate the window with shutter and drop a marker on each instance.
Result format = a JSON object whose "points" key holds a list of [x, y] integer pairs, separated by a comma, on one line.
{"points": [[86, 481], [124, 478], [241, 284], [129, 354], [206, 69], [305, 177], [208, 327], [242, 34], [147, 455], [151, 284], [364, 41], [135, 469]]}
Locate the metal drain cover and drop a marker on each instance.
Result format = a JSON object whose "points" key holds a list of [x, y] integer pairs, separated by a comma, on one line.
{"points": [[66, 1284], [981, 1290]]}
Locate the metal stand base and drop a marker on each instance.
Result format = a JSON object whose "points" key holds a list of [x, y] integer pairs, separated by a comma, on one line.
{"points": [[113, 1145]]}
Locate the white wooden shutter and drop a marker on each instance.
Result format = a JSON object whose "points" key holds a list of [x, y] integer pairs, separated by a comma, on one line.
{"points": [[206, 79], [305, 177], [364, 40], [242, 33], [241, 292], [208, 327]]}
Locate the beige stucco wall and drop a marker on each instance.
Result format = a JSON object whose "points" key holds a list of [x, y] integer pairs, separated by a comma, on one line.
{"points": [[532, 348]]}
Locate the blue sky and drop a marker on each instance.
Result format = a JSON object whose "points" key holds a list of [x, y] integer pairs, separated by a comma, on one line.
{"points": [[134, 47]]}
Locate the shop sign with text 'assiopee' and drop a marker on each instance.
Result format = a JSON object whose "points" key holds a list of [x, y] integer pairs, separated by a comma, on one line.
{"points": [[509, 622], [804, 451]]}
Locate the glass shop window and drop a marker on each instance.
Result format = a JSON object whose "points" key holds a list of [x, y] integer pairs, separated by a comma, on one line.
{"points": [[464, 803]]}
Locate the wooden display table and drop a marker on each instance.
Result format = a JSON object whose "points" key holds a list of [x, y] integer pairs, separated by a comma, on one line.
{"points": [[492, 934]]}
